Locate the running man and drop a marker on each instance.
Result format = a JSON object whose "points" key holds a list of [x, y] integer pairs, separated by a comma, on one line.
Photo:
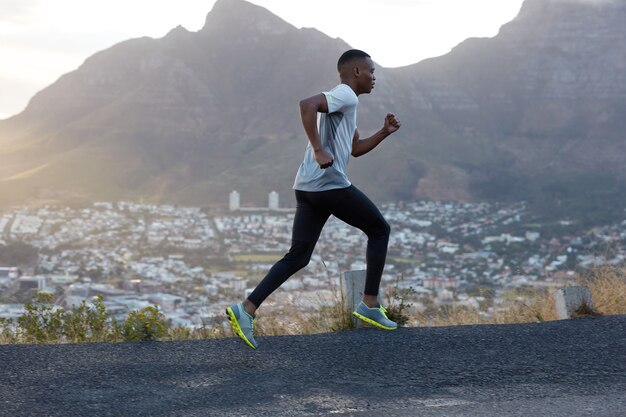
{"points": [[322, 188]]}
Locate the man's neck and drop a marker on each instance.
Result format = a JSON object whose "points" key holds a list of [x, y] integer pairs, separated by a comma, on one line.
{"points": [[350, 83]]}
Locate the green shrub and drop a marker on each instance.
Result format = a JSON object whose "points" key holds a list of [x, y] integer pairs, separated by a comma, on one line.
{"points": [[145, 325], [397, 304], [41, 323], [86, 323], [7, 335]]}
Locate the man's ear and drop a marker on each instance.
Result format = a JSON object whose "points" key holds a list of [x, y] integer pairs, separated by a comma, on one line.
{"points": [[356, 70]]}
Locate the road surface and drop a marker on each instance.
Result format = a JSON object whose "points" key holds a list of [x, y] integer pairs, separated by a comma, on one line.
{"points": [[567, 368]]}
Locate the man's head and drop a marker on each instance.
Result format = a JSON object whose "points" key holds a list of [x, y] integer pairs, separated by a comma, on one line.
{"points": [[356, 69]]}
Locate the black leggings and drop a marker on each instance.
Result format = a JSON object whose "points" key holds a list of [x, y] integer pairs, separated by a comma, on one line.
{"points": [[312, 210]]}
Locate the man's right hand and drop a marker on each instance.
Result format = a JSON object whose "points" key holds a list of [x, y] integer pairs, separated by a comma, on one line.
{"points": [[323, 158]]}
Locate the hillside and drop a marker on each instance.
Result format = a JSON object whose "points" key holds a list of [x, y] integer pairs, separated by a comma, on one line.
{"points": [[533, 113]]}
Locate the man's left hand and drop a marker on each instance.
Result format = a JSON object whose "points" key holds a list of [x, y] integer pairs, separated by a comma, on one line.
{"points": [[391, 123]]}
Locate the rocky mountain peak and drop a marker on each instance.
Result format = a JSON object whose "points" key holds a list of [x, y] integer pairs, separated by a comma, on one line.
{"points": [[177, 31], [240, 16]]}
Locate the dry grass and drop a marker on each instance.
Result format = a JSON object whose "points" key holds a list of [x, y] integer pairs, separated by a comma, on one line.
{"points": [[608, 289], [279, 321], [525, 308], [531, 306], [329, 316], [7, 338], [217, 331], [608, 292]]}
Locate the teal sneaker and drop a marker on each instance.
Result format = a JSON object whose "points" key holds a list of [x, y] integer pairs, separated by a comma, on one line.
{"points": [[376, 316], [243, 323]]}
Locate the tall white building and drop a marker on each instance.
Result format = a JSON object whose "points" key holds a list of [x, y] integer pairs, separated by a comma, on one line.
{"points": [[273, 201], [234, 201]]}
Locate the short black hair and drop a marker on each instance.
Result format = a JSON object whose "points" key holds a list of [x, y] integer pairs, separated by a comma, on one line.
{"points": [[350, 55]]}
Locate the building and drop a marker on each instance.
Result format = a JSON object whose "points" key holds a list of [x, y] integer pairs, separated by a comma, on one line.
{"points": [[10, 272], [234, 202], [441, 283], [37, 282], [8, 276], [273, 201]]}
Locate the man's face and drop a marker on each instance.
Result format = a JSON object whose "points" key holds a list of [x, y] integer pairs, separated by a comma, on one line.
{"points": [[366, 79]]}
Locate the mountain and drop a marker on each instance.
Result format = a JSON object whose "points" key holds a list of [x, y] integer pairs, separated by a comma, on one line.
{"points": [[541, 104], [533, 113]]}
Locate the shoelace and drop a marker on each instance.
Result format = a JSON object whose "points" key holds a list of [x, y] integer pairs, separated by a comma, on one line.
{"points": [[381, 309], [252, 323], [252, 319]]}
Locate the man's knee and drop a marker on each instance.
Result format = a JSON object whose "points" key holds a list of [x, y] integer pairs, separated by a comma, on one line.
{"points": [[380, 229], [300, 254], [386, 228]]}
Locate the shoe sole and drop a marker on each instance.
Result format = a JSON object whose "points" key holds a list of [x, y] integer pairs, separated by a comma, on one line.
{"points": [[235, 325], [372, 322]]}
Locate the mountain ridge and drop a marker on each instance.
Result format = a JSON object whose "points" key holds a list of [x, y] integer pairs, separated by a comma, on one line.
{"points": [[528, 114]]}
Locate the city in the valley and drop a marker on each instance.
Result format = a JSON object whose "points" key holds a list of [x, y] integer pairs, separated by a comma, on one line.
{"points": [[192, 262]]}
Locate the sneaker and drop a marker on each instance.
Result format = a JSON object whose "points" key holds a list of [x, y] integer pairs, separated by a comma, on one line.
{"points": [[242, 322], [376, 316]]}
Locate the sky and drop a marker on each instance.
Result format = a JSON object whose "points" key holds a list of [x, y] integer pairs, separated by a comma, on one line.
{"points": [[40, 40]]}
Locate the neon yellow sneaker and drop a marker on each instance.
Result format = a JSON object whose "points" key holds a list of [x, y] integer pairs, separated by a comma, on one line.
{"points": [[242, 322], [376, 316]]}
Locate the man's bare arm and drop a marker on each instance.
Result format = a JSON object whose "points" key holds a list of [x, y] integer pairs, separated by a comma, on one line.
{"points": [[361, 147], [309, 107]]}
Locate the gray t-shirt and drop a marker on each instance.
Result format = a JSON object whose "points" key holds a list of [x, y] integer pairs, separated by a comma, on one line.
{"points": [[336, 129]]}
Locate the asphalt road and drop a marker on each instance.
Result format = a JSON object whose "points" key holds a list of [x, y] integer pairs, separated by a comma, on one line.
{"points": [[567, 368]]}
